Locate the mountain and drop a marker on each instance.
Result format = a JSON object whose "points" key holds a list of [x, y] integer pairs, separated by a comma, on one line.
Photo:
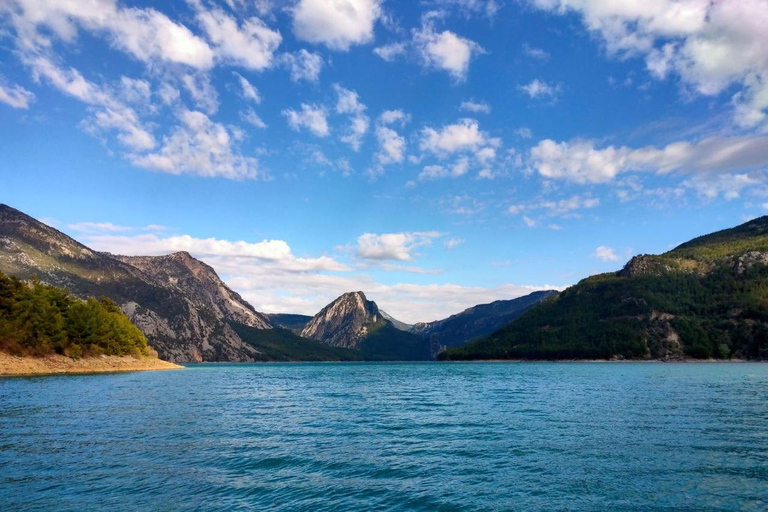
{"points": [[707, 298], [292, 322], [477, 321], [179, 303], [354, 322]]}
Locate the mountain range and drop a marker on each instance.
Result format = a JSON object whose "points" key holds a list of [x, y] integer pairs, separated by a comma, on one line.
{"points": [[707, 298], [189, 314]]}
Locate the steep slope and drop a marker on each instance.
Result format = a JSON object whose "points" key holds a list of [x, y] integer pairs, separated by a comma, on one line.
{"points": [[197, 279], [180, 304], [292, 322], [354, 322], [707, 298], [477, 321]]}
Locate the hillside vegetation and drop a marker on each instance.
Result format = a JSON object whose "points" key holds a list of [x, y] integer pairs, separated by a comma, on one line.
{"points": [[38, 320], [708, 298]]}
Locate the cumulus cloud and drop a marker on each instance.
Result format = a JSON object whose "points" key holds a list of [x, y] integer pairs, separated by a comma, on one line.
{"points": [[477, 107], [250, 44], [461, 136], [605, 253], [582, 162], [390, 52], [709, 45], [311, 117], [349, 103], [338, 24], [200, 147], [302, 65], [15, 95], [273, 279], [540, 89], [393, 246], [445, 50], [145, 34]]}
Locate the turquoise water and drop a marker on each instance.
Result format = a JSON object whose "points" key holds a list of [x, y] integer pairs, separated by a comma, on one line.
{"points": [[316, 437]]}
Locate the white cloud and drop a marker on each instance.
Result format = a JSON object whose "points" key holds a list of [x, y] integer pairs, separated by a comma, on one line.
{"points": [[200, 147], [535, 53], [445, 50], [582, 162], [461, 136], [452, 243], [605, 253], [107, 112], [730, 186], [393, 246], [390, 52], [349, 103], [98, 227], [338, 24], [478, 107], [146, 34], [202, 92], [311, 117], [394, 116], [709, 45], [252, 118], [303, 65], [391, 146], [539, 89], [247, 89], [524, 132], [135, 91], [560, 208], [273, 279], [250, 44]]}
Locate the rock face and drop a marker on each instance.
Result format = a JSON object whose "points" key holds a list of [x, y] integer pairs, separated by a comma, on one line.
{"points": [[344, 322], [352, 321], [196, 278], [179, 303]]}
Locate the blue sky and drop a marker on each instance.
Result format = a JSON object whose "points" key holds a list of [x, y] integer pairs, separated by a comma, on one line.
{"points": [[433, 154]]}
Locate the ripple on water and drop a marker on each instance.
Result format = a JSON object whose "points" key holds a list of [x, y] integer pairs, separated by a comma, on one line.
{"points": [[390, 437]]}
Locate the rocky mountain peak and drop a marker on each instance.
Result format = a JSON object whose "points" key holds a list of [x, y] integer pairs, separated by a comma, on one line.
{"points": [[345, 321]]}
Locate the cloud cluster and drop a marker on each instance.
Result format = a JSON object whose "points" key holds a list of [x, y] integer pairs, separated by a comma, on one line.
{"points": [[393, 246], [312, 117], [581, 162], [15, 95], [201, 147], [709, 45], [338, 24]]}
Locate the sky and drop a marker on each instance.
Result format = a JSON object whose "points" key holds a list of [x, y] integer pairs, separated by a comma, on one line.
{"points": [[434, 154]]}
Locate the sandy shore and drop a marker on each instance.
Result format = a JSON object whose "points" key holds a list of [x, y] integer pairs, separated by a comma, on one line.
{"points": [[12, 365]]}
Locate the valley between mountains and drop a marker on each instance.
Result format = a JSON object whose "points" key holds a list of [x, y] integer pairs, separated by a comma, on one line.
{"points": [[706, 299]]}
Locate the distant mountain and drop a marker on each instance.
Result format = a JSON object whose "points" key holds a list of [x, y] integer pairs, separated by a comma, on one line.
{"points": [[186, 312], [292, 322], [477, 321], [705, 299], [354, 322]]}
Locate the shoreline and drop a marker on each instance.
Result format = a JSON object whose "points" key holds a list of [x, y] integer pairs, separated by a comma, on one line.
{"points": [[25, 366]]}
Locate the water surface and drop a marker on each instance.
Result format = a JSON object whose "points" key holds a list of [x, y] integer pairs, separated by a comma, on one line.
{"points": [[391, 437]]}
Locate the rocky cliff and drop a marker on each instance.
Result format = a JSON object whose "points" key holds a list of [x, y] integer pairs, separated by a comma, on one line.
{"points": [[352, 321], [179, 303]]}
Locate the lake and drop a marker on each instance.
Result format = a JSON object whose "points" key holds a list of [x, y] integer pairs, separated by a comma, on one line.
{"points": [[390, 437]]}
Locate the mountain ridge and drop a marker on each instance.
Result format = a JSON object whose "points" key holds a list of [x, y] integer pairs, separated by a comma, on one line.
{"points": [[707, 298]]}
